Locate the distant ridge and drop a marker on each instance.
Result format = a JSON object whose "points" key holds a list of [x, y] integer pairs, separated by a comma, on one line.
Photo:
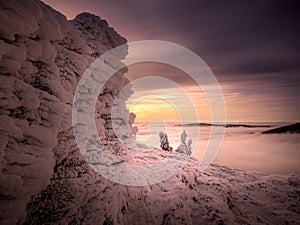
{"points": [[293, 128], [221, 125]]}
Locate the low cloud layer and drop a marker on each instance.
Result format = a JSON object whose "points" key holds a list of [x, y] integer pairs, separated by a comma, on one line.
{"points": [[242, 148], [276, 153]]}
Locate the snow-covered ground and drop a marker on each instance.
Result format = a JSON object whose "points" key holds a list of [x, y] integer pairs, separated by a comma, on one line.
{"points": [[44, 178], [218, 195]]}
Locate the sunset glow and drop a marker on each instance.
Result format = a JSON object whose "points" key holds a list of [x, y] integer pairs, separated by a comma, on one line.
{"points": [[151, 107], [259, 78]]}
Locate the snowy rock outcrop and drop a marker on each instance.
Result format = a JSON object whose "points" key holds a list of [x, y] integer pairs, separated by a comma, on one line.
{"points": [[42, 58], [44, 178]]}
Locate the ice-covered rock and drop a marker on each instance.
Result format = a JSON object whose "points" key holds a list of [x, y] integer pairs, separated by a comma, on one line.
{"points": [[42, 58]]}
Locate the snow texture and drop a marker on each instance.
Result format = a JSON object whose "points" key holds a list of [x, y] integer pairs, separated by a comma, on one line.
{"points": [[219, 195], [44, 178], [42, 58]]}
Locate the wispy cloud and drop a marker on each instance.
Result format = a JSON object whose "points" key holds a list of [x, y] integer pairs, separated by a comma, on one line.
{"points": [[252, 47]]}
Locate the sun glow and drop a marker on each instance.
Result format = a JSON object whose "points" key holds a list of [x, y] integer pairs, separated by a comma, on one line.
{"points": [[150, 107]]}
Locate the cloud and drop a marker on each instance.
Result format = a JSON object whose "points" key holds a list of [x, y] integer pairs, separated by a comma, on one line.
{"points": [[224, 33], [261, 67], [252, 47], [275, 153], [266, 153]]}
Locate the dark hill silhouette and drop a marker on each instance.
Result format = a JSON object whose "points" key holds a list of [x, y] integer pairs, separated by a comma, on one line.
{"points": [[228, 125], [293, 128]]}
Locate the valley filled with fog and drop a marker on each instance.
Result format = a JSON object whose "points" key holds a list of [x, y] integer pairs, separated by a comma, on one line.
{"points": [[242, 147]]}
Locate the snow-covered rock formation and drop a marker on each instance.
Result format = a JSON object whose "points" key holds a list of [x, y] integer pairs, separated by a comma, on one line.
{"points": [[42, 58], [44, 178]]}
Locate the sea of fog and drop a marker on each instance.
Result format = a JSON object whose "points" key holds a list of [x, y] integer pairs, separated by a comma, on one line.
{"points": [[242, 147]]}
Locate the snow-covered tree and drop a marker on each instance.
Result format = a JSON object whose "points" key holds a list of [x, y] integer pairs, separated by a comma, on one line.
{"points": [[184, 147], [164, 142]]}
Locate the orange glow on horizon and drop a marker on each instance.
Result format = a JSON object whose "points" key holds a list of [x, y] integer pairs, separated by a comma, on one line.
{"points": [[150, 108]]}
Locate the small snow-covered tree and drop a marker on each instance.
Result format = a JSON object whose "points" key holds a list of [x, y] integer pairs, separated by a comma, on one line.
{"points": [[184, 147], [164, 142]]}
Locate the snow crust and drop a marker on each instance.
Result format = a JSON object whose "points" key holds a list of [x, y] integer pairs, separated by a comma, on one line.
{"points": [[218, 195]]}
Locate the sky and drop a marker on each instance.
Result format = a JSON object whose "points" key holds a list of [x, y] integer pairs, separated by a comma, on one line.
{"points": [[252, 47]]}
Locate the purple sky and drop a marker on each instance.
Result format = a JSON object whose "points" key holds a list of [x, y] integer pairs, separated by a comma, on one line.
{"points": [[252, 47]]}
